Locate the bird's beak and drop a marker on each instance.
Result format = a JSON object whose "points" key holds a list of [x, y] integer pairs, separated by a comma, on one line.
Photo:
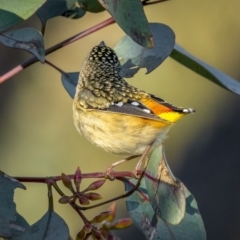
{"points": [[102, 44]]}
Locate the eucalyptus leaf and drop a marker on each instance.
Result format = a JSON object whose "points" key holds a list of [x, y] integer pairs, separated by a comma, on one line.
{"points": [[54, 8], [19, 225], [8, 214], [50, 226], [153, 227], [74, 13], [133, 56], [165, 192], [130, 16], [91, 5], [69, 81], [28, 39], [188, 60], [13, 12]]}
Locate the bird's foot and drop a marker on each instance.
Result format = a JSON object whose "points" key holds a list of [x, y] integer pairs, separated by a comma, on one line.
{"points": [[135, 173], [136, 170], [109, 173]]}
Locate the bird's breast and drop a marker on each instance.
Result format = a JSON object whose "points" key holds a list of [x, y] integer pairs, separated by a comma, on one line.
{"points": [[118, 133]]}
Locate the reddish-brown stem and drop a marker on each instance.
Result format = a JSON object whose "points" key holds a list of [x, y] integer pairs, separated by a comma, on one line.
{"points": [[43, 28], [72, 204], [50, 196], [71, 176], [75, 207], [50, 208], [76, 37], [62, 44], [54, 66], [129, 192]]}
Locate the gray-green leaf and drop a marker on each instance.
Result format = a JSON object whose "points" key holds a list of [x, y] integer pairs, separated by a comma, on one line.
{"points": [[153, 227], [50, 226], [8, 214], [74, 13], [91, 5], [13, 12], [69, 81], [19, 225], [28, 39], [133, 56], [54, 8], [130, 16], [182, 56], [166, 193]]}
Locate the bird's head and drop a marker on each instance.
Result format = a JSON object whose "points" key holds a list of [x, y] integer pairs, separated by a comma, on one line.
{"points": [[100, 77], [104, 57]]}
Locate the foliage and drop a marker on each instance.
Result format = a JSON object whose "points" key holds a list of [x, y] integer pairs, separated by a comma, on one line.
{"points": [[161, 207]]}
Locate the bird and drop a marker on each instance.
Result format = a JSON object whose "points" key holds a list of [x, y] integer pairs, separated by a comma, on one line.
{"points": [[116, 116]]}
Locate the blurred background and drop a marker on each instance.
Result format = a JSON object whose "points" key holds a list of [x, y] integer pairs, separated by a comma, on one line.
{"points": [[38, 138]]}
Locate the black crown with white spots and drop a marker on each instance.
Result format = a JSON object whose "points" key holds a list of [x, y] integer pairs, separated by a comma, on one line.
{"points": [[100, 74], [103, 55]]}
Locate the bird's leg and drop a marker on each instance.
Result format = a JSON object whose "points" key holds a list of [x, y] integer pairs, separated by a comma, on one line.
{"points": [[127, 194], [138, 166], [109, 170]]}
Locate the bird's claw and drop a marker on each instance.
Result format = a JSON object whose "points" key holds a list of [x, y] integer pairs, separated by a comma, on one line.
{"points": [[135, 173], [109, 173]]}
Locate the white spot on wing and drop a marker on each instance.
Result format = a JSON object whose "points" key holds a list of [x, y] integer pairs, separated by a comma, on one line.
{"points": [[135, 103], [146, 110], [191, 110], [188, 110], [119, 104]]}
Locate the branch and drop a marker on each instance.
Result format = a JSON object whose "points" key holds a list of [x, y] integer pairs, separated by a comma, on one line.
{"points": [[71, 176], [60, 45], [127, 194], [54, 66], [72, 204], [14, 71]]}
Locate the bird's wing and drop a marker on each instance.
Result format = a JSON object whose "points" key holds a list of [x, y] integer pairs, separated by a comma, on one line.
{"points": [[134, 108], [164, 109], [170, 106]]}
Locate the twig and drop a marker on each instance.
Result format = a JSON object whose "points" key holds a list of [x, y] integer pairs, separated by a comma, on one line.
{"points": [[43, 28], [72, 204], [62, 44], [71, 176], [50, 209], [129, 192], [54, 66]]}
